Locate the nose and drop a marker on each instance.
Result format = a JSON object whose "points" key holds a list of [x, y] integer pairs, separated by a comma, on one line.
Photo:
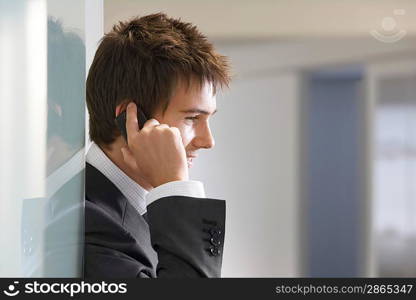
{"points": [[204, 139]]}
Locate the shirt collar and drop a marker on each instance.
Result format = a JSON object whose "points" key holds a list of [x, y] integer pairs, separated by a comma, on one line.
{"points": [[134, 193]]}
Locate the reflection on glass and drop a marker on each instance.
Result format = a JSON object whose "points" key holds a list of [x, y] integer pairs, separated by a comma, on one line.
{"points": [[52, 226]]}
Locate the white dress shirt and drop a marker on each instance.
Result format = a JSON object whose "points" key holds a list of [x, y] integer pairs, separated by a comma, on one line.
{"points": [[137, 196]]}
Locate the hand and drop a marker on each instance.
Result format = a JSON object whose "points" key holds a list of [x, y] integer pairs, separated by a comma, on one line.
{"points": [[156, 151]]}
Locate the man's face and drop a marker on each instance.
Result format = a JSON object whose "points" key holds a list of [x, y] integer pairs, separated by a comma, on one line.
{"points": [[190, 110]]}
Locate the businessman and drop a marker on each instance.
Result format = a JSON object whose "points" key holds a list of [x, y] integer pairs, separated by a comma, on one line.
{"points": [[143, 216]]}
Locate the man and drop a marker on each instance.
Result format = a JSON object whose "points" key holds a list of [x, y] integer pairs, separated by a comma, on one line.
{"points": [[143, 216]]}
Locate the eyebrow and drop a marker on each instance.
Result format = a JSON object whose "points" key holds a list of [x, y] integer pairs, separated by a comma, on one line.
{"points": [[199, 111]]}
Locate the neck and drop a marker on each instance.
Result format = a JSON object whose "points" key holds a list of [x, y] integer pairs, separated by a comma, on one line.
{"points": [[113, 152]]}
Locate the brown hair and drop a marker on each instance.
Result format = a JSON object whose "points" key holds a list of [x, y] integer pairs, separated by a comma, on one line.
{"points": [[143, 60]]}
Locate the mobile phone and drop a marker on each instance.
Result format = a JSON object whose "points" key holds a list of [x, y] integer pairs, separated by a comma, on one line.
{"points": [[122, 119]]}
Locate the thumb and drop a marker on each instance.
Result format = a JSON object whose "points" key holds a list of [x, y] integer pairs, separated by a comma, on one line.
{"points": [[128, 157]]}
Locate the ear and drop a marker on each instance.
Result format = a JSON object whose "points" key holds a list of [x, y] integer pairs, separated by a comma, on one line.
{"points": [[121, 107]]}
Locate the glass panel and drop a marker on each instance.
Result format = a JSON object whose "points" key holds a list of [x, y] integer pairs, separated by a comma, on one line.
{"points": [[395, 177], [42, 87]]}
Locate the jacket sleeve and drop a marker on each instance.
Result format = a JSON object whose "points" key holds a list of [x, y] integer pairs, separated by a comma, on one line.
{"points": [[186, 233], [188, 236]]}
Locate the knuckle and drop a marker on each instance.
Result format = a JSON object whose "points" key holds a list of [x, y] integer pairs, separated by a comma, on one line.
{"points": [[175, 130], [145, 131], [162, 129]]}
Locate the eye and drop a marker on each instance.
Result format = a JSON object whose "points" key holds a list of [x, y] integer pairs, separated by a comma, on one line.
{"points": [[192, 118]]}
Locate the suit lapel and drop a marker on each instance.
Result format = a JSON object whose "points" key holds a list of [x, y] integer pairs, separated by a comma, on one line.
{"points": [[100, 190]]}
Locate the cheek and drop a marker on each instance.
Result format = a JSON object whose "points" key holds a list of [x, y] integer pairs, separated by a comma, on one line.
{"points": [[187, 134]]}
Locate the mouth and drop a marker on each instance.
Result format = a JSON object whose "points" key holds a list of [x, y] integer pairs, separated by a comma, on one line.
{"points": [[190, 159]]}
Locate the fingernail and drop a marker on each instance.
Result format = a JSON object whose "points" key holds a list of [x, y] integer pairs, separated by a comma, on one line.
{"points": [[131, 104]]}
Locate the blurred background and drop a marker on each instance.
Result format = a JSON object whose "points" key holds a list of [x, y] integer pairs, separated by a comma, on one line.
{"points": [[315, 138]]}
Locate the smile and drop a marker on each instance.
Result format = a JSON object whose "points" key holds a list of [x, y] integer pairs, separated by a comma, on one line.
{"points": [[189, 160]]}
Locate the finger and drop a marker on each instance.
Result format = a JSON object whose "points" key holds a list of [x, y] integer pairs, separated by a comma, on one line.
{"points": [[176, 130], [163, 126], [129, 157], [151, 123], [132, 125]]}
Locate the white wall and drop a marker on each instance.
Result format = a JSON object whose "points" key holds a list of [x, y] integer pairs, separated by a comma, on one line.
{"points": [[265, 19], [23, 92], [254, 167]]}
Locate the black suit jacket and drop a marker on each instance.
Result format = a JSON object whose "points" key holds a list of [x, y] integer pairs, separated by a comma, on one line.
{"points": [[177, 237]]}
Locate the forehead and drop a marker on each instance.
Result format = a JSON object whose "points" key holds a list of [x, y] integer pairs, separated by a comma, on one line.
{"points": [[193, 96]]}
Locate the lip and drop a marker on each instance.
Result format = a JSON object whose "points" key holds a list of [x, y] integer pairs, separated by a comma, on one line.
{"points": [[191, 156], [189, 159]]}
